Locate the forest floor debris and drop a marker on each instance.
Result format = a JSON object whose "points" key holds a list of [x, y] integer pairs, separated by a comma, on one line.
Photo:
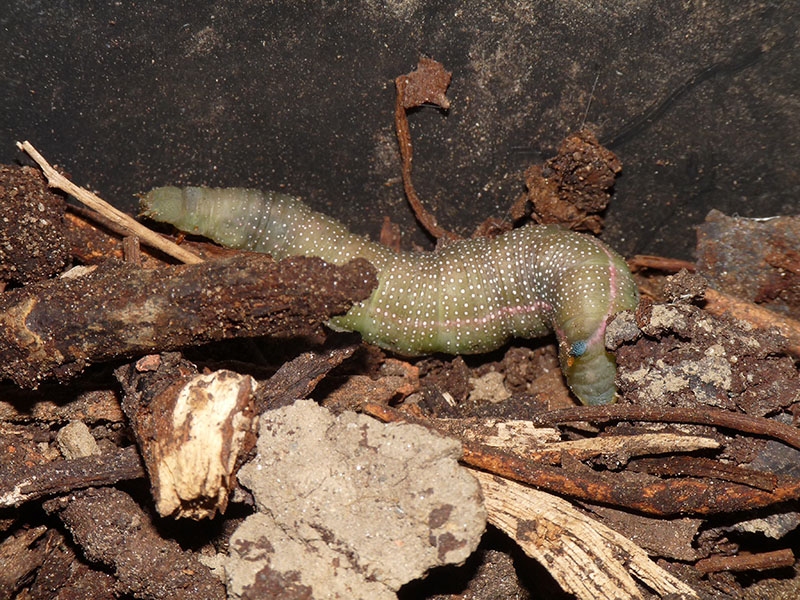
{"points": [[693, 476]]}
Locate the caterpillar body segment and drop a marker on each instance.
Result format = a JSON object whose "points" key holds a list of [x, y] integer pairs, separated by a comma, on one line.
{"points": [[468, 297]]}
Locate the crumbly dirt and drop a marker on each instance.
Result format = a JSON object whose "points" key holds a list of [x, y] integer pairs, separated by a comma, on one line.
{"points": [[574, 187], [33, 243]]}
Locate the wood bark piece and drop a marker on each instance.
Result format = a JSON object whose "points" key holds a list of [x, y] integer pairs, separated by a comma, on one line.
{"points": [[398, 379], [66, 576], [622, 447], [695, 415], [573, 187], [679, 355], [53, 403], [673, 539], [584, 556], [517, 436], [542, 443], [20, 556], [67, 475], [112, 529], [720, 304], [297, 378], [56, 328], [193, 431], [695, 466], [752, 261]]}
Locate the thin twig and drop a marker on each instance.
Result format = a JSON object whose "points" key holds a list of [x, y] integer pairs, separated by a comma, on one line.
{"points": [[119, 218], [426, 219], [641, 262], [747, 562], [695, 415]]}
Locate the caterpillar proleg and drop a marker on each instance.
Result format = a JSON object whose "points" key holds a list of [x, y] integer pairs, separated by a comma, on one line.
{"points": [[468, 297]]}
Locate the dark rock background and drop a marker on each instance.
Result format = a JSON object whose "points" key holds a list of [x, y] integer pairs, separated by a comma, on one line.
{"points": [[700, 100]]}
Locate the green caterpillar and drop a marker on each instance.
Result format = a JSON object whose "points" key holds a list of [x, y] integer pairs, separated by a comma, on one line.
{"points": [[468, 297]]}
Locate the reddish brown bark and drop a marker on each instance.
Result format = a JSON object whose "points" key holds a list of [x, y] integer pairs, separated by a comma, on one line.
{"points": [[56, 328]]}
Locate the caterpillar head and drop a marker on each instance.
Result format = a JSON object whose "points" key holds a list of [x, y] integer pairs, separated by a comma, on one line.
{"points": [[592, 291], [590, 371]]}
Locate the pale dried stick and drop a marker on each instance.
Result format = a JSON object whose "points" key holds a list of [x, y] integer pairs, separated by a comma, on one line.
{"points": [[584, 556], [119, 218]]}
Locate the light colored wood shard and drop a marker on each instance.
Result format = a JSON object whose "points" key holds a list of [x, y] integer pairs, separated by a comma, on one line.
{"points": [[585, 557]]}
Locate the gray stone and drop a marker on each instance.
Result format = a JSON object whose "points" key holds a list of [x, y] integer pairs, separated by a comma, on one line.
{"points": [[350, 507]]}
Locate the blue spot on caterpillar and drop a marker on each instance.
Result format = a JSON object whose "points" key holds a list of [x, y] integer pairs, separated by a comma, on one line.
{"points": [[468, 297], [577, 349]]}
